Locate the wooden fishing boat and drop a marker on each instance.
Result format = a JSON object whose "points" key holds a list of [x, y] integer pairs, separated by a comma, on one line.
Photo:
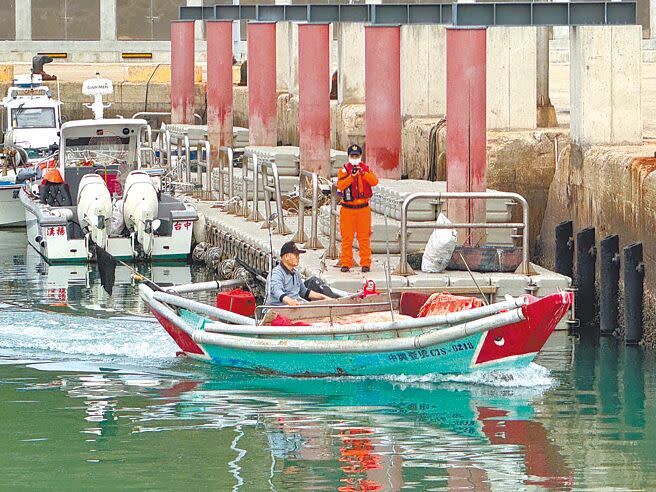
{"points": [[507, 334]]}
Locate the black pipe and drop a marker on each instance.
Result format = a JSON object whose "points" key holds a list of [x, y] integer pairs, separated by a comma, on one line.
{"points": [[634, 275], [609, 283], [565, 248], [586, 255]]}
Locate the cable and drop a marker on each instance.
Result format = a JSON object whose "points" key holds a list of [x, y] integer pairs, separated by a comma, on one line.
{"points": [[148, 86]]}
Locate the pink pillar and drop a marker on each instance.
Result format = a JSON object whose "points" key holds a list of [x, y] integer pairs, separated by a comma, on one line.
{"points": [[262, 95], [219, 83], [314, 97], [182, 72], [466, 126], [383, 99]]}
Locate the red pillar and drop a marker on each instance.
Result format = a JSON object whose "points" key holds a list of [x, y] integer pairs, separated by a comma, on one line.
{"points": [[314, 97], [262, 95], [219, 83], [383, 99], [466, 126], [182, 72]]}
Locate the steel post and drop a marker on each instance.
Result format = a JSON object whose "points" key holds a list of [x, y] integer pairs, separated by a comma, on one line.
{"points": [[634, 276], [314, 98], [383, 100], [586, 256], [466, 130], [219, 86], [182, 72], [609, 284], [262, 95]]}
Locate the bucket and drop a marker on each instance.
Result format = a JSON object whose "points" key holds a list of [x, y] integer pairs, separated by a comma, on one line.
{"points": [[236, 301]]}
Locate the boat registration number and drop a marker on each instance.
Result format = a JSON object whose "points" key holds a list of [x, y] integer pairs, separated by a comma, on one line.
{"points": [[426, 353]]}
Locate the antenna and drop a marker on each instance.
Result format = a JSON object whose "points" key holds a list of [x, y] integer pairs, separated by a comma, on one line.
{"points": [[97, 88]]}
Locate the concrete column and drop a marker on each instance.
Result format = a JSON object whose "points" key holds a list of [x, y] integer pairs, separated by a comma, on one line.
{"points": [[546, 113], [466, 130], [283, 52], [314, 98], [511, 75], [219, 84], [262, 95], [24, 20], [605, 77], [293, 59], [423, 70], [383, 100], [350, 64], [108, 20], [182, 72]]}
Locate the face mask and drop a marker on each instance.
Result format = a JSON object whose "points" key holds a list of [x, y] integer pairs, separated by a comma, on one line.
{"points": [[355, 161]]}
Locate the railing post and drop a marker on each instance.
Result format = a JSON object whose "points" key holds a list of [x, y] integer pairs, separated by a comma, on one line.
{"points": [[609, 280], [199, 170], [209, 168], [634, 275], [255, 215], [331, 252], [586, 255], [187, 159], [244, 191], [404, 268], [314, 242], [300, 236], [565, 249]]}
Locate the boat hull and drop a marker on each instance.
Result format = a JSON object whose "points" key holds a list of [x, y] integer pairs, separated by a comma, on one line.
{"points": [[510, 346], [11, 209]]}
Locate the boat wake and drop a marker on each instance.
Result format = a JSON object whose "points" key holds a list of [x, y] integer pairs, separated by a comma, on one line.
{"points": [[528, 377], [56, 336]]}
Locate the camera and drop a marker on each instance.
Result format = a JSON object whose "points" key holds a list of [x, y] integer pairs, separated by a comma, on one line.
{"points": [[355, 169]]}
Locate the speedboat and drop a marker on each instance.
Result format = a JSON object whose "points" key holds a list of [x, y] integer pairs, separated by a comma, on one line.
{"points": [[115, 203], [409, 333], [30, 119]]}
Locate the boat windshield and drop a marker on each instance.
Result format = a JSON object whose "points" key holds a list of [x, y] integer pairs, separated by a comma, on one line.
{"points": [[99, 150], [33, 118]]}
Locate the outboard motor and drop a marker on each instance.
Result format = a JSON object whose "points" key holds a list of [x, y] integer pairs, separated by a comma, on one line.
{"points": [[94, 208], [140, 207]]}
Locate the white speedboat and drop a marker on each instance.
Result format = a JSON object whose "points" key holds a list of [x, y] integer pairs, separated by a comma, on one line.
{"points": [[30, 119], [114, 202]]}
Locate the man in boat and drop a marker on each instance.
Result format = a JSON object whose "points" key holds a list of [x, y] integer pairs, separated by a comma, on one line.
{"points": [[355, 181], [286, 286], [53, 191]]}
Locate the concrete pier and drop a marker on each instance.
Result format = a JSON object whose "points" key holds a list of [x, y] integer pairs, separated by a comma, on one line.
{"points": [[182, 72]]}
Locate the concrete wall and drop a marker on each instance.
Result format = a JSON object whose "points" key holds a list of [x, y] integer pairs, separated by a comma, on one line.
{"points": [[350, 64], [511, 78], [423, 70], [605, 77]]}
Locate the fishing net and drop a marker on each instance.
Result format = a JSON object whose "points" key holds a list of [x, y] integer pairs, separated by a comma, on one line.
{"points": [[442, 303], [106, 268]]}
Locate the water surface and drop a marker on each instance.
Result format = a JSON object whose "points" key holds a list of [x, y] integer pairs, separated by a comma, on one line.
{"points": [[92, 396]]}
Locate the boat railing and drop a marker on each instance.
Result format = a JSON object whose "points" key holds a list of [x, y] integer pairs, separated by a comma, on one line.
{"points": [[226, 168], [441, 197], [306, 177], [250, 181], [271, 187]]}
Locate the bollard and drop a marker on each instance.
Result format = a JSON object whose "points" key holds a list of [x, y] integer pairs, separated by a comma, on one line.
{"points": [[586, 255], [609, 283], [565, 248], [634, 275]]}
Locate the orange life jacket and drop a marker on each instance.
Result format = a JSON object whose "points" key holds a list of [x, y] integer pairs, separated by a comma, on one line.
{"points": [[358, 189]]}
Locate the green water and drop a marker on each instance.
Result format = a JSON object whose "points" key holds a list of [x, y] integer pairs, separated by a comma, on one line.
{"points": [[94, 398]]}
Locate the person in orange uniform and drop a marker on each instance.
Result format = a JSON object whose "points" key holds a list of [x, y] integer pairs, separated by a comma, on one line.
{"points": [[354, 181]]}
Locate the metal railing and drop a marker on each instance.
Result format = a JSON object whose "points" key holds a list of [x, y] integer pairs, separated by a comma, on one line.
{"points": [[301, 237], [227, 171], [404, 268], [269, 172], [254, 214], [332, 253]]}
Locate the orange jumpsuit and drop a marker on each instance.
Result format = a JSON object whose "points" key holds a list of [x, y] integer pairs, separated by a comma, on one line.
{"points": [[355, 214]]}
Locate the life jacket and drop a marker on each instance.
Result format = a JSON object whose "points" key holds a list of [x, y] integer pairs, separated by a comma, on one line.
{"points": [[358, 189]]}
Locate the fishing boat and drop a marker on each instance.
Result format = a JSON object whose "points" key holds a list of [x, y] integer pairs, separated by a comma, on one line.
{"points": [[111, 200], [326, 339], [30, 118]]}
